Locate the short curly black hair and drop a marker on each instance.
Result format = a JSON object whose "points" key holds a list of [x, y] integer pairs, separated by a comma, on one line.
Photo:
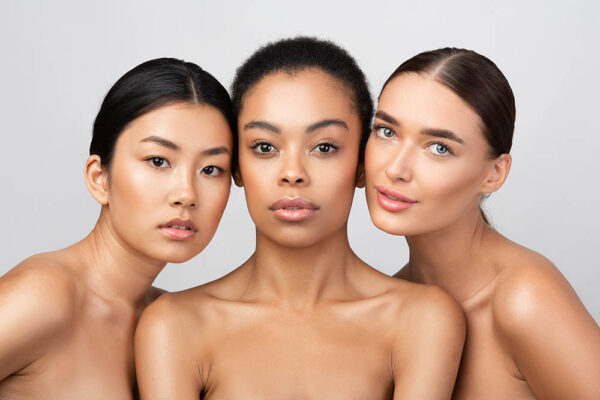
{"points": [[299, 53]]}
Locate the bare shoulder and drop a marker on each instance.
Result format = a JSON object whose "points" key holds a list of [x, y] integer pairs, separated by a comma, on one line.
{"points": [[419, 304], [38, 304], [532, 292], [43, 285]]}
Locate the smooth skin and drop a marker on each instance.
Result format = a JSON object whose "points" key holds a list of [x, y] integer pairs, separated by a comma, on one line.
{"points": [[68, 317], [303, 317], [528, 334]]}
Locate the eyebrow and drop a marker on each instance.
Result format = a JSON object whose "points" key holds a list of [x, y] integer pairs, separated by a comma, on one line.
{"points": [[262, 125], [325, 123], [442, 133], [387, 118], [215, 151], [161, 141], [311, 128]]}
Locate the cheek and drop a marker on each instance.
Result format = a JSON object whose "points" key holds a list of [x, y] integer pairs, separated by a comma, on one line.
{"points": [[212, 201], [450, 187]]}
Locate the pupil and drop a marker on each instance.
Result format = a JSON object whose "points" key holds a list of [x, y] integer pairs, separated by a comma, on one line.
{"points": [[265, 147], [157, 162], [208, 170]]}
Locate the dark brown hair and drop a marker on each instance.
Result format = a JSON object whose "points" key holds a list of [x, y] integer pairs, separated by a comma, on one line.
{"points": [[478, 81]]}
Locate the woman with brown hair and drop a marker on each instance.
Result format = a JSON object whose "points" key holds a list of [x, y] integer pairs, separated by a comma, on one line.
{"points": [[440, 144]]}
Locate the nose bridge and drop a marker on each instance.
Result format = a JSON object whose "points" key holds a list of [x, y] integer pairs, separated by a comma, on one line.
{"points": [[293, 169], [183, 192], [401, 166]]}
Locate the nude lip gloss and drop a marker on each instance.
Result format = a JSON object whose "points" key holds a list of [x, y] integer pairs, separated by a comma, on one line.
{"points": [[293, 209], [392, 200], [179, 229]]}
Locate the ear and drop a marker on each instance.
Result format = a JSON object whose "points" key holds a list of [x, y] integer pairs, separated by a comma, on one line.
{"points": [[360, 175], [498, 173], [96, 179], [237, 177]]}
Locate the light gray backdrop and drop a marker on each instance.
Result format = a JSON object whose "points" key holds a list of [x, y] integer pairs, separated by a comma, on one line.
{"points": [[59, 58]]}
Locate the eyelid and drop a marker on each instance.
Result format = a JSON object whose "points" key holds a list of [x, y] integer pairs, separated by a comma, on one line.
{"points": [[377, 127], [450, 151], [149, 160]]}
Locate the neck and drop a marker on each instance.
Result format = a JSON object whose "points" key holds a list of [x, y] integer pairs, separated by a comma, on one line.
{"points": [[112, 268], [454, 258], [300, 278]]}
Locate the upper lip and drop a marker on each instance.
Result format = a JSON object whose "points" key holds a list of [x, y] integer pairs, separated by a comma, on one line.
{"points": [[394, 194], [180, 222], [293, 202]]}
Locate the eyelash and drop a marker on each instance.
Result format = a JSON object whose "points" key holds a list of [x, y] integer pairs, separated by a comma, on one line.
{"points": [[448, 149], [156, 158], [151, 160], [254, 146], [376, 129]]}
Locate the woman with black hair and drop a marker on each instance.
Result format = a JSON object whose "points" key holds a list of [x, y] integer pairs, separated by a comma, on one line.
{"points": [[441, 143], [303, 317], [159, 165]]}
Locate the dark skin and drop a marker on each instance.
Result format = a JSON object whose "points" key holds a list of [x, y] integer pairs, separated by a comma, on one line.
{"points": [[304, 317]]}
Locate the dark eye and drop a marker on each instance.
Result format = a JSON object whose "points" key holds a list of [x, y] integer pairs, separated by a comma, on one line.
{"points": [[159, 162], [212, 170], [384, 132], [262, 148], [325, 148]]}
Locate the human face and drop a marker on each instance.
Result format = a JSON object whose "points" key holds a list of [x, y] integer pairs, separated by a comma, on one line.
{"points": [[426, 161], [299, 142], [169, 181]]}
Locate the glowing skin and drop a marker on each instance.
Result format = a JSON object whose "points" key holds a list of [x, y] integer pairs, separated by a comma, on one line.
{"points": [[68, 317], [528, 335], [303, 317]]}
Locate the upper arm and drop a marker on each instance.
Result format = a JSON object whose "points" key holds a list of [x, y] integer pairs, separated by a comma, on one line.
{"points": [[552, 338], [166, 367], [427, 354], [36, 307]]}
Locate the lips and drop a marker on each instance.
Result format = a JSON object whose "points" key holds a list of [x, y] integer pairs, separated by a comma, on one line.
{"points": [[392, 200], [293, 209], [179, 229]]}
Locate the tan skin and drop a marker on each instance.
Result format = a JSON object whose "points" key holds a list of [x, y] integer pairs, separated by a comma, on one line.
{"points": [[68, 316], [304, 317], [528, 334]]}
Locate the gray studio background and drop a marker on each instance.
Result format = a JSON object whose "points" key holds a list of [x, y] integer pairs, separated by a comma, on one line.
{"points": [[59, 58]]}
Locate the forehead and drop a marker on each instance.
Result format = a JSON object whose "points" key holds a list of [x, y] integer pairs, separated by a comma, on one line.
{"points": [[190, 125], [419, 100], [305, 95]]}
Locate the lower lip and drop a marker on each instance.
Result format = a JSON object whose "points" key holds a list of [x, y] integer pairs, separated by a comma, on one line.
{"points": [[178, 234], [392, 205], [294, 215]]}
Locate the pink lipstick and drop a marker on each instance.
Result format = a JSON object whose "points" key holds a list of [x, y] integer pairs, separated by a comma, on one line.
{"points": [[293, 209], [179, 229], [392, 200]]}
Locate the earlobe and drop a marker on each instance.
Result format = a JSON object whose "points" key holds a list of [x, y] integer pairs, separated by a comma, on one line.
{"points": [[360, 176], [498, 174], [237, 178], [96, 179]]}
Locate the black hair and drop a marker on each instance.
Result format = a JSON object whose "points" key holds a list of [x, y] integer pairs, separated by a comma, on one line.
{"points": [[480, 83], [300, 53], [149, 86]]}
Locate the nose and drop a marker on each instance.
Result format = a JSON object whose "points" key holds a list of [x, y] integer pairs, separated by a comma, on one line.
{"points": [[400, 168], [293, 172], [183, 192]]}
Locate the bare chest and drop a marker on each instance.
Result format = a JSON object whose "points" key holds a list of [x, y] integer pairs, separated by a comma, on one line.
{"points": [[487, 369], [299, 360], [94, 361]]}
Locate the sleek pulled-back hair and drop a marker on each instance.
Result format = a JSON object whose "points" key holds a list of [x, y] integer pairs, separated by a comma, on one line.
{"points": [[479, 82], [149, 86], [301, 53]]}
